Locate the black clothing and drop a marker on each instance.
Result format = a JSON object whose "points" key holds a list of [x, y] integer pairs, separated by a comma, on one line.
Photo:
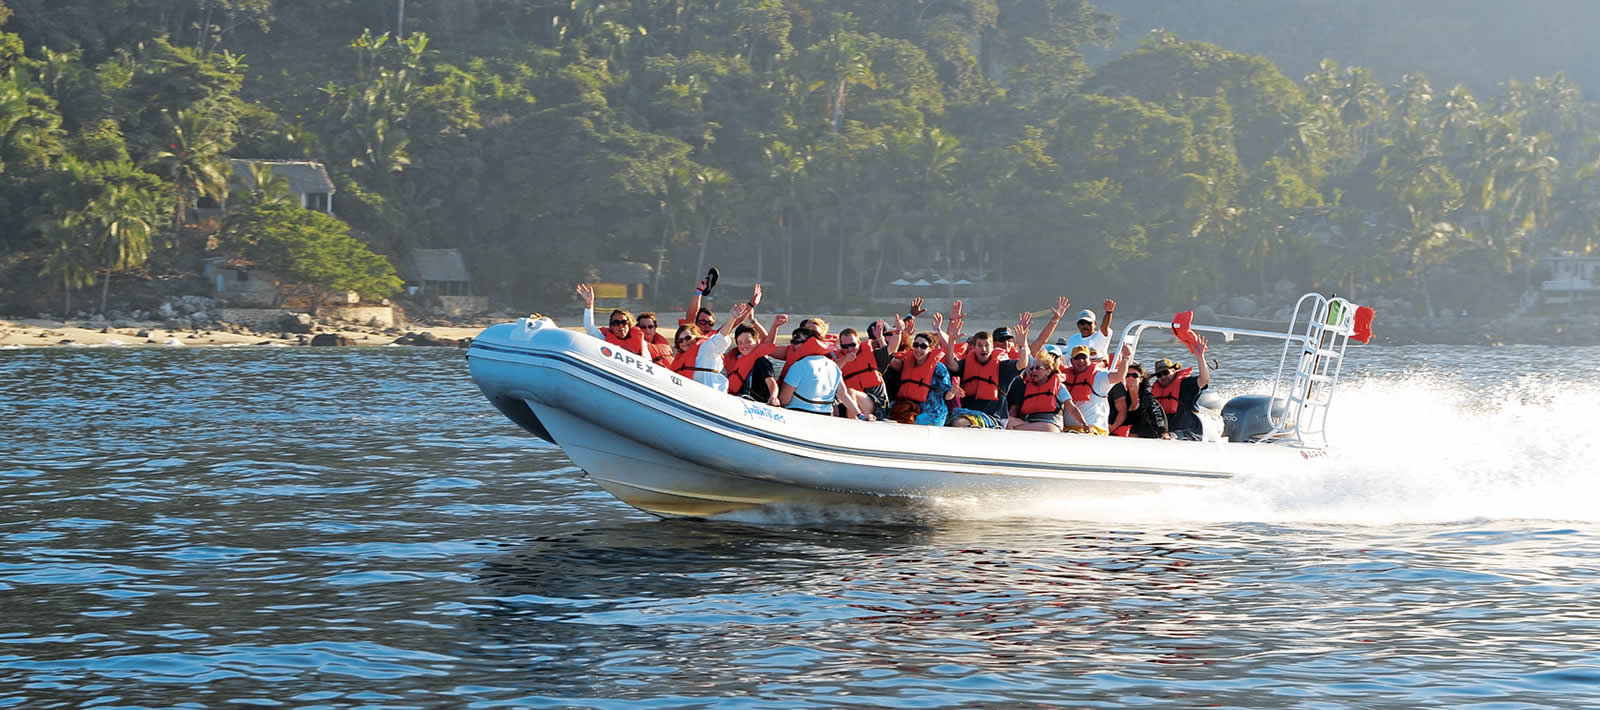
{"points": [[1007, 374], [755, 386], [1149, 421], [1185, 423]]}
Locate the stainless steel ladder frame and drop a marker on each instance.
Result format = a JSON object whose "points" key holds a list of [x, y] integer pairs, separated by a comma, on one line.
{"points": [[1318, 334]]}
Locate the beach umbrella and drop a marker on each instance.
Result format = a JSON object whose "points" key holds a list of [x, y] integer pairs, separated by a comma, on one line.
{"points": [[899, 282], [942, 281], [963, 282], [922, 282]]}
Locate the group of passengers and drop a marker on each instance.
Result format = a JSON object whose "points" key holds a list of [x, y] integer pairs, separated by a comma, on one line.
{"points": [[939, 377]]}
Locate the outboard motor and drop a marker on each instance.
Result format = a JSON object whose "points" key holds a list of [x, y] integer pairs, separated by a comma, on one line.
{"points": [[1249, 417]]}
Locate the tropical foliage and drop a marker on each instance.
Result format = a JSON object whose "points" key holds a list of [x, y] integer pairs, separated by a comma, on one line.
{"points": [[825, 147]]}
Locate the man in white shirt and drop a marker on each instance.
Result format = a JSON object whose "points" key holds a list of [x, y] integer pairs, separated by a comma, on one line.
{"points": [[1097, 340]]}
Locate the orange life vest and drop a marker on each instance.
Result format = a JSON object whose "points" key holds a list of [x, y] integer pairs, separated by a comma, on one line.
{"points": [[862, 373], [981, 380], [812, 346], [1080, 383], [634, 343], [660, 349], [1041, 399], [916, 381], [684, 363], [739, 366], [1167, 395]]}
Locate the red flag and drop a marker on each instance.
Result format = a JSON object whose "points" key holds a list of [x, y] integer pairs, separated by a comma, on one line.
{"points": [[1361, 329]]}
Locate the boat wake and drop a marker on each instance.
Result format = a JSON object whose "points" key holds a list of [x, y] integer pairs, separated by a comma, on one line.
{"points": [[1411, 450]]}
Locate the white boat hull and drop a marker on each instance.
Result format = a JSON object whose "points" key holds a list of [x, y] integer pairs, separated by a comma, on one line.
{"points": [[673, 447]]}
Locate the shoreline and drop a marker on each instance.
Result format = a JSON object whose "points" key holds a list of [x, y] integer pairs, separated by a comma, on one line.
{"points": [[1576, 329]]}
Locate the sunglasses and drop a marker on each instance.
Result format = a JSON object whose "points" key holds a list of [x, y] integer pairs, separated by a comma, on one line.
{"points": [[920, 345], [847, 346], [1163, 373], [645, 326], [619, 322], [1080, 357]]}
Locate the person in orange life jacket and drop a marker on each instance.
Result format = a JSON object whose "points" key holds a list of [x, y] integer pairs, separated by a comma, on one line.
{"points": [[750, 372], [862, 377], [700, 357], [818, 345], [980, 377], [1037, 399], [660, 347], [1089, 382], [1179, 393], [620, 332], [1005, 343], [814, 383], [924, 380]]}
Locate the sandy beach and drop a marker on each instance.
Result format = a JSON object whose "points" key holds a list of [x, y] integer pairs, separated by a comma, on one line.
{"points": [[34, 333]]}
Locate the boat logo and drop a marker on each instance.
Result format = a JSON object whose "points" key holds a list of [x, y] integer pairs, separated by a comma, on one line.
{"points": [[628, 359], [758, 411], [677, 381]]}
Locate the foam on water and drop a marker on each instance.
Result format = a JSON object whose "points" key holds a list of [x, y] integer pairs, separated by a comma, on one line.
{"points": [[1418, 449]]}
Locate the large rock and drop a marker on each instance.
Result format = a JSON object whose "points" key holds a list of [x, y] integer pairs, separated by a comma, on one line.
{"points": [[296, 323], [324, 339], [1241, 306], [429, 340]]}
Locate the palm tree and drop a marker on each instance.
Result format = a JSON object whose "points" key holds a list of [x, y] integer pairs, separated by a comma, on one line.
{"points": [[195, 162], [844, 64], [69, 258], [713, 185], [120, 218]]}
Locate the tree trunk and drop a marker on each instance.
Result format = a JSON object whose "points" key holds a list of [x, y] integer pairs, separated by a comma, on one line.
{"points": [[705, 238], [105, 290], [66, 291]]}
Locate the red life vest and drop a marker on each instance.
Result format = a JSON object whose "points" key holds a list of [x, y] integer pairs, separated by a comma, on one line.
{"points": [[812, 346], [684, 363], [1041, 399], [981, 380], [660, 349], [1167, 395], [916, 381], [1080, 383], [634, 343], [739, 366], [862, 372]]}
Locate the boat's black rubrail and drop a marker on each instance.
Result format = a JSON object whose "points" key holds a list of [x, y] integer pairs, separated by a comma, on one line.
{"points": [[517, 410]]}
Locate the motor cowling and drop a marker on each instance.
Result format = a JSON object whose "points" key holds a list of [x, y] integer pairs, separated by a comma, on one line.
{"points": [[1249, 417]]}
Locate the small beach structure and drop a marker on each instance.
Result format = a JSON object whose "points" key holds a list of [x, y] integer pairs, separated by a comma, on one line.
{"points": [[442, 274]]}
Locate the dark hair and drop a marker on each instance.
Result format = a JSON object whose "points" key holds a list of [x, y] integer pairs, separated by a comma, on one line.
{"points": [[624, 314], [981, 335], [849, 331], [742, 329], [706, 311]]}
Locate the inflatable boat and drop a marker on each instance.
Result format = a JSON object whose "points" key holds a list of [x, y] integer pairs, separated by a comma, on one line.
{"points": [[670, 446]]}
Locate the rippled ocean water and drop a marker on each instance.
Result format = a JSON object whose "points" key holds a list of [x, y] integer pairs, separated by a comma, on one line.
{"points": [[358, 528]]}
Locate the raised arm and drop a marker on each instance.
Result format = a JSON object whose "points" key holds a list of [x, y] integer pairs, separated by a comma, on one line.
{"points": [[735, 316], [1105, 322], [1062, 303], [587, 294], [1024, 320], [770, 337], [1204, 367], [1122, 363], [694, 303]]}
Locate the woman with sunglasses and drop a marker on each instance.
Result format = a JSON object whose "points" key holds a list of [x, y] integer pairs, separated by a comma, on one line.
{"points": [[620, 332], [660, 347], [924, 381], [1038, 398], [700, 356]]}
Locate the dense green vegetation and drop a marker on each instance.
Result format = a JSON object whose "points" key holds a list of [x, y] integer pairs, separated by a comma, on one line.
{"points": [[822, 146]]}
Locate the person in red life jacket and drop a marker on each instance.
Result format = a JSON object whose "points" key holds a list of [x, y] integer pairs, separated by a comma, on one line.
{"points": [[1124, 399], [750, 372], [1178, 392], [859, 368], [699, 356], [817, 345], [815, 384], [1141, 415], [980, 377], [703, 318], [620, 332], [924, 380], [1005, 344], [660, 347], [1037, 399]]}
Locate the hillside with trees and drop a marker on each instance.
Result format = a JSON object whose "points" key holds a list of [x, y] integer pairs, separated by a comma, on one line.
{"points": [[824, 147]]}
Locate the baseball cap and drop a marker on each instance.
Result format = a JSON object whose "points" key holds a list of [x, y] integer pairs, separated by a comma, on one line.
{"points": [[1001, 333], [1082, 350], [1086, 314]]}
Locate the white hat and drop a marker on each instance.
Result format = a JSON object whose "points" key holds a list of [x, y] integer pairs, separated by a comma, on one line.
{"points": [[1086, 314]]}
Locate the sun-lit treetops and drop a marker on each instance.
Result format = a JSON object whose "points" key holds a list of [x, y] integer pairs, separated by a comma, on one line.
{"points": [[826, 147]]}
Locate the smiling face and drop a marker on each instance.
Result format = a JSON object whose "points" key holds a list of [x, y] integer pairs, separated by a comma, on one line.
{"points": [[746, 343], [849, 344], [921, 346], [1085, 327], [621, 323], [647, 326], [1039, 372]]}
